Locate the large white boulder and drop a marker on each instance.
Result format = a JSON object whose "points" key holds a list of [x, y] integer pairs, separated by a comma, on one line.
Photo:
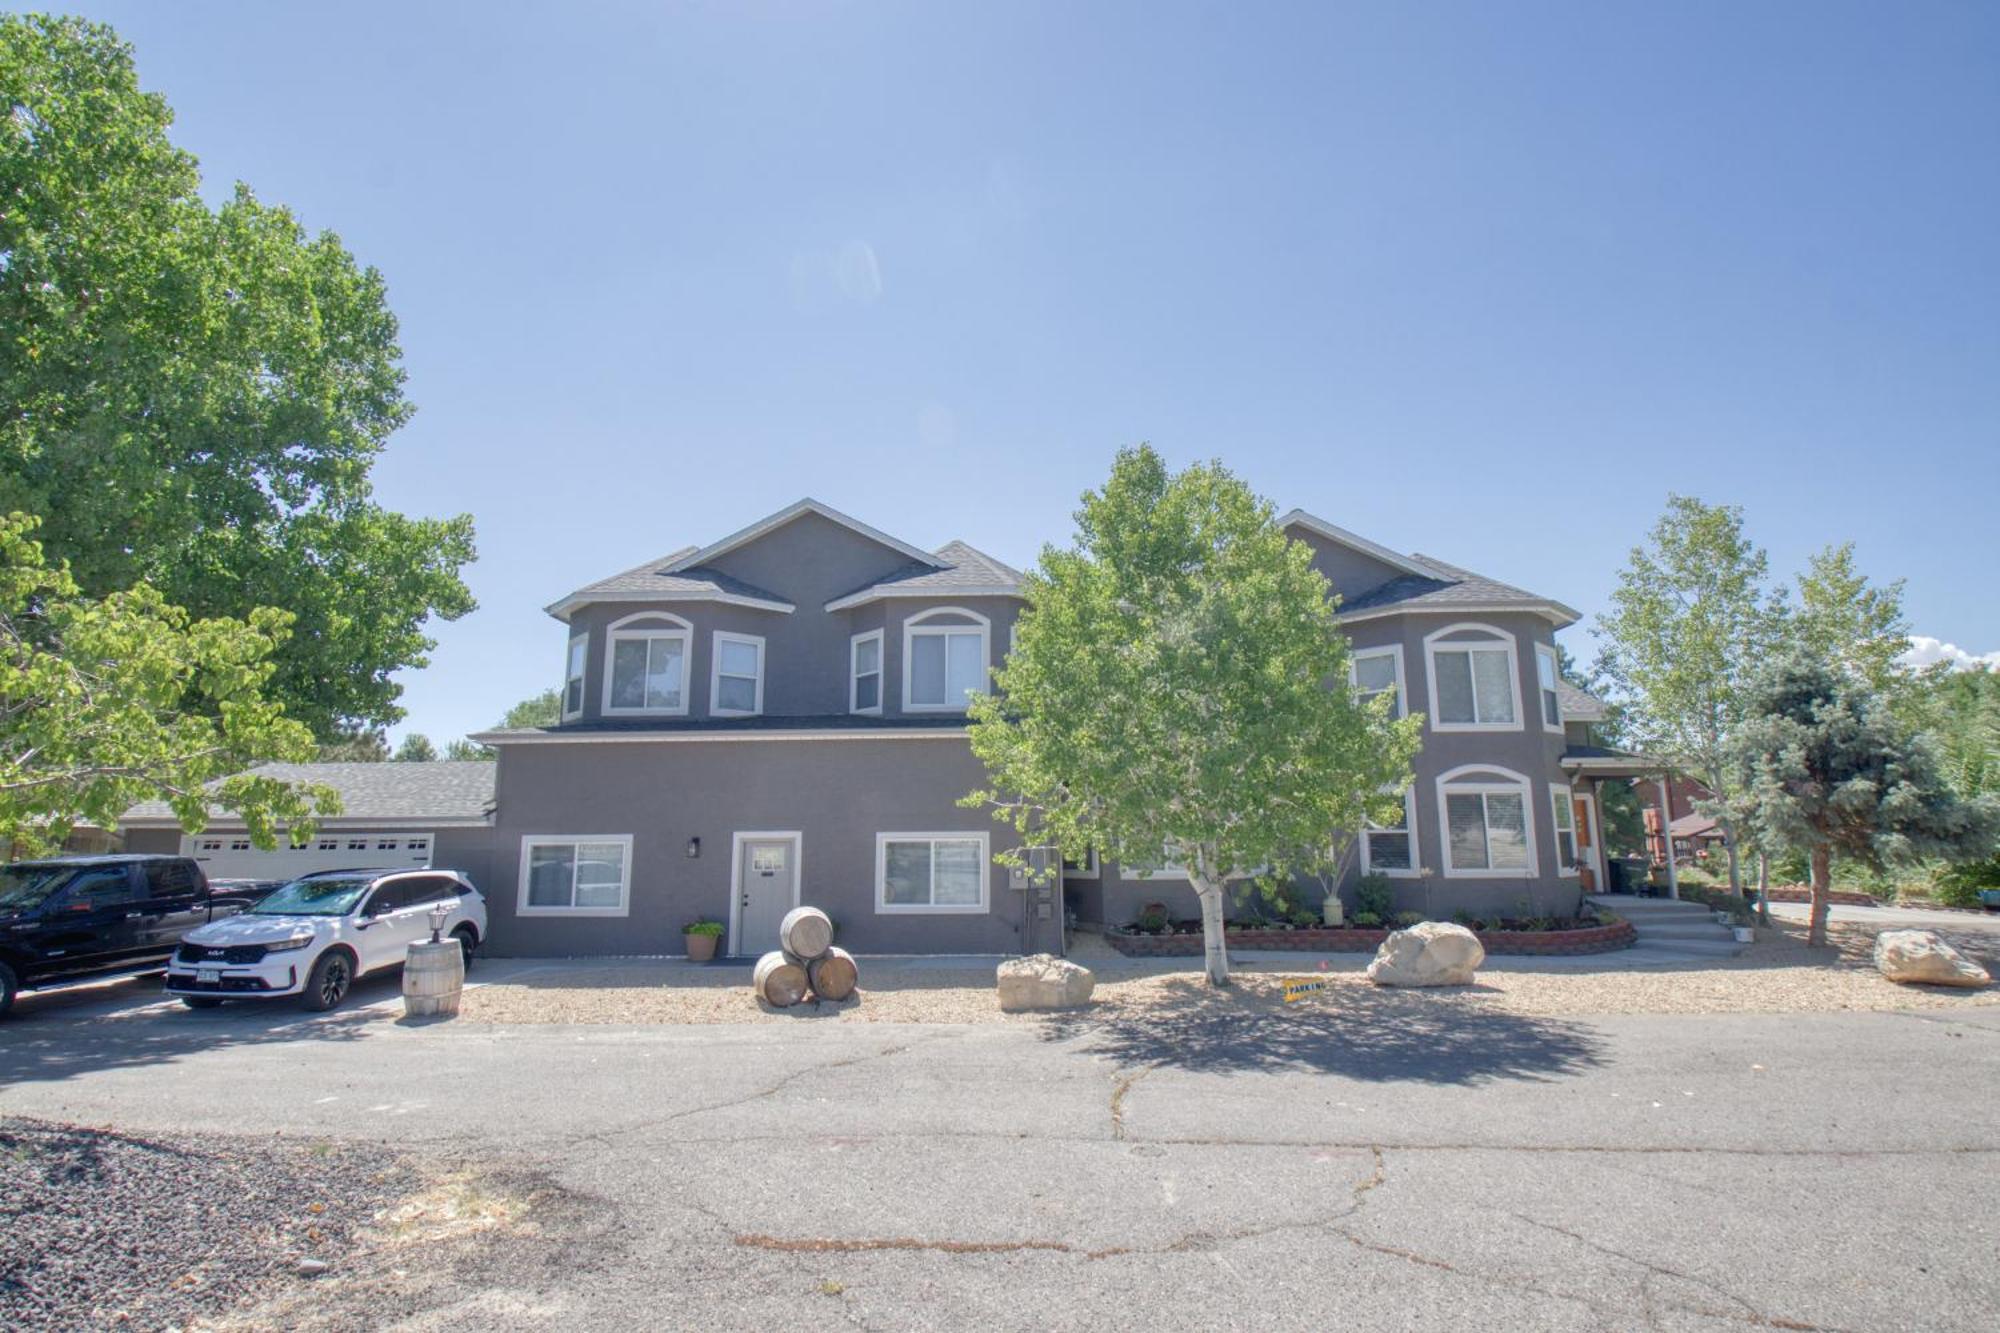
{"points": [[1921, 956], [1435, 953], [1044, 981]]}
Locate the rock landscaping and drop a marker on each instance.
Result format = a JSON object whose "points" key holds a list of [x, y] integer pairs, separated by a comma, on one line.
{"points": [[1434, 953], [1921, 957], [1558, 939], [1043, 981]]}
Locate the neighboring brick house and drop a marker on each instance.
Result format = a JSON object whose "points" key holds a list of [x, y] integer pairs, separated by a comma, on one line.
{"points": [[779, 717]]}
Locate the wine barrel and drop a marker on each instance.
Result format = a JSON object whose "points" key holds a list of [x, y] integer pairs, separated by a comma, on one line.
{"points": [[433, 979], [806, 932], [781, 983], [833, 974]]}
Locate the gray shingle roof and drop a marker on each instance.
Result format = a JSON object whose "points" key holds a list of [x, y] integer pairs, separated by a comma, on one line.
{"points": [[1580, 705], [966, 570], [648, 579], [442, 790], [1449, 588]]}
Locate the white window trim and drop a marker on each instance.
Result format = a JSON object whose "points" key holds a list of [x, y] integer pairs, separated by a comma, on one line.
{"points": [[736, 841], [1511, 782], [1561, 798], [914, 627], [533, 840], [1546, 653], [1393, 651], [1416, 869], [580, 678], [719, 638], [881, 672], [1436, 642], [675, 628], [883, 907]]}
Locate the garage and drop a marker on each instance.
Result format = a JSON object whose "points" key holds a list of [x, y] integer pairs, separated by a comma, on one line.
{"points": [[232, 856]]}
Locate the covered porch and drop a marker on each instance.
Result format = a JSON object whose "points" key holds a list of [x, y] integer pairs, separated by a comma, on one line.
{"points": [[1588, 767]]}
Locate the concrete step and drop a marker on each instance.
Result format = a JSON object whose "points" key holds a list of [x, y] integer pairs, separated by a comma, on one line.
{"points": [[1651, 931], [1666, 912], [1693, 948]]}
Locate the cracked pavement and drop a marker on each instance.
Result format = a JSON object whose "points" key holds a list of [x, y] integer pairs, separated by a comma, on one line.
{"points": [[1798, 1171]]}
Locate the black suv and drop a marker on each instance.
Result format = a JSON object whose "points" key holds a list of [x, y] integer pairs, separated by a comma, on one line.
{"points": [[78, 917]]}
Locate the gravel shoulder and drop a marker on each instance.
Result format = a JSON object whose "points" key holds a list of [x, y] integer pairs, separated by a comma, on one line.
{"points": [[1779, 974]]}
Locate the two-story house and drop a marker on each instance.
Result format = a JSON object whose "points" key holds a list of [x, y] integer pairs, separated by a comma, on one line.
{"points": [[778, 717]]}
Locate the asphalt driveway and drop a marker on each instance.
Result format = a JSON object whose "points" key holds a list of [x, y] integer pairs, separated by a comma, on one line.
{"points": [[1723, 1171]]}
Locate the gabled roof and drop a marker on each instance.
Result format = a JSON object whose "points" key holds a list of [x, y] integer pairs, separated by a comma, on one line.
{"points": [[1354, 541], [671, 578], [444, 791], [954, 570], [1580, 705], [1446, 587], [744, 536]]}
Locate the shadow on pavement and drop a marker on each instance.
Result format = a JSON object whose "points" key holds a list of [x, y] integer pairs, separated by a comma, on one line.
{"points": [[1378, 1035], [60, 1034]]}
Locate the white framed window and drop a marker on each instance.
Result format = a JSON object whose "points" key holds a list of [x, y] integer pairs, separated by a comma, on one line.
{"points": [[1546, 673], [1391, 849], [864, 675], [1373, 671], [931, 872], [736, 675], [1471, 673], [1563, 807], [645, 665], [944, 662], [572, 700], [576, 875], [1485, 823], [1163, 866]]}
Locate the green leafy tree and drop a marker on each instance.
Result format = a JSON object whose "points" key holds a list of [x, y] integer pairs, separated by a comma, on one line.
{"points": [[1822, 766], [1690, 619], [356, 745], [541, 710], [106, 702], [1960, 712], [192, 397], [1178, 687], [416, 749], [1845, 621], [462, 750]]}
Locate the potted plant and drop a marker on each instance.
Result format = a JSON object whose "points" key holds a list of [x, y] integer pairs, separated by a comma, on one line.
{"points": [[701, 936]]}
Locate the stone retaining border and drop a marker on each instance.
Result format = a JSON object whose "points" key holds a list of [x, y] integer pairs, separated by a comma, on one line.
{"points": [[1353, 939], [1799, 893]]}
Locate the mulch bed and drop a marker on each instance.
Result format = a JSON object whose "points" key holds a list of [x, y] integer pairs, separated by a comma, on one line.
{"points": [[1604, 938]]}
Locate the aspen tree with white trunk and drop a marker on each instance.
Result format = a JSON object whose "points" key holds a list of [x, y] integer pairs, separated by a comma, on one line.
{"points": [[1177, 692]]}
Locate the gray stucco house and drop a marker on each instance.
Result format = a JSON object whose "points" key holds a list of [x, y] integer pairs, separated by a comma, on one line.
{"points": [[778, 717]]}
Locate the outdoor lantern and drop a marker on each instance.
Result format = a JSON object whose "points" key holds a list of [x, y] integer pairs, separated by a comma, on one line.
{"points": [[694, 848], [438, 914]]}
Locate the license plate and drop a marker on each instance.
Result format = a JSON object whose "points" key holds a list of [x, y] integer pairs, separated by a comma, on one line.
{"points": [[208, 976]]}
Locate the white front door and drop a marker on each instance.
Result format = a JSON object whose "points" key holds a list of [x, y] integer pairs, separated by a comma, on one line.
{"points": [[767, 887]]}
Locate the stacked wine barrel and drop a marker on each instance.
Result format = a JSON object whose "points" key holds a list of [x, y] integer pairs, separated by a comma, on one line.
{"points": [[805, 964]]}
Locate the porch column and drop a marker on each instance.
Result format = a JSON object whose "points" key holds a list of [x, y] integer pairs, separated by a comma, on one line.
{"points": [[1667, 837]]}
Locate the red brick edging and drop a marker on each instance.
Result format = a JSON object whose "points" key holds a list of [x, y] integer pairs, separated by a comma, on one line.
{"points": [[1799, 893], [1353, 939]]}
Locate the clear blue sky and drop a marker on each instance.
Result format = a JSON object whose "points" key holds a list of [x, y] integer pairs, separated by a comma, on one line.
{"points": [[1483, 281]]}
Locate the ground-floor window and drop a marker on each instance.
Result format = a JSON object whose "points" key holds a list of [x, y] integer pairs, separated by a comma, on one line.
{"points": [[1391, 849], [576, 876], [930, 872], [1564, 810], [1487, 829]]}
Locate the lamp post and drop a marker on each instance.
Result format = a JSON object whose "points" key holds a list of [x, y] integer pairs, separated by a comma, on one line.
{"points": [[438, 914]]}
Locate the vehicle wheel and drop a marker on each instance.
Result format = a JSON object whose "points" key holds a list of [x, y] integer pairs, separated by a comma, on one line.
{"points": [[10, 986], [327, 983], [468, 941], [200, 1001]]}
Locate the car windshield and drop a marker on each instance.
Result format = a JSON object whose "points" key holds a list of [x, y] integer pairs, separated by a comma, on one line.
{"points": [[334, 895], [25, 886]]}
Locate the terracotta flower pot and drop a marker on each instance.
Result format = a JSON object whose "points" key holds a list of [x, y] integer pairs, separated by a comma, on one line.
{"points": [[701, 948]]}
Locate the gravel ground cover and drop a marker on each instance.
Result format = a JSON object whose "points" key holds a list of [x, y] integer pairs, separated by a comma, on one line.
{"points": [[100, 1229], [1778, 975]]}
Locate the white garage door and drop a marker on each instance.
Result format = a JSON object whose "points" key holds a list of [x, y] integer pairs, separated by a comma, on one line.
{"points": [[230, 855]]}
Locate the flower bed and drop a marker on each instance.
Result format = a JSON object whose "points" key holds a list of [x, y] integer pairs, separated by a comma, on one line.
{"points": [[1603, 937]]}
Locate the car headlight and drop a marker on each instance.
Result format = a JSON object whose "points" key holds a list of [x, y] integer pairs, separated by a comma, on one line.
{"points": [[298, 941]]}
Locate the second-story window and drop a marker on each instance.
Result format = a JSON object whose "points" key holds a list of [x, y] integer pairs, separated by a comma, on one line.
{"points": [[573, 677], [1545, 676], [865, 683], [1377, 671], [647, 671], [944, 662], [737, 688], [1472, 679]]}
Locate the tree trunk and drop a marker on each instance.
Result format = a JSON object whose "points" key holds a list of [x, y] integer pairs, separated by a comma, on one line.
{"points": [[1215, 948], [1763, 888], [1822, 890], [1728, 838]]}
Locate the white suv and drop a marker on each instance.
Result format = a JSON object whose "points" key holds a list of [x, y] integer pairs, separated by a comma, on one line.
{"points": [[315, 935]]}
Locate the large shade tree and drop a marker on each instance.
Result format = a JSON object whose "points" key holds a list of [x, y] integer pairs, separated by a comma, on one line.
{"points": [[1822, 767], [1177, 692], [106, 702], [1690, 620], [192, 397]]}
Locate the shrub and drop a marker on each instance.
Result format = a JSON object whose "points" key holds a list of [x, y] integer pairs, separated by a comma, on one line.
{"points": [[1374, 896], [1466, 919], [1305, 918], [1368, 920], [1409, 918], [1959, 885], [702, 926], [1152, 919]]}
